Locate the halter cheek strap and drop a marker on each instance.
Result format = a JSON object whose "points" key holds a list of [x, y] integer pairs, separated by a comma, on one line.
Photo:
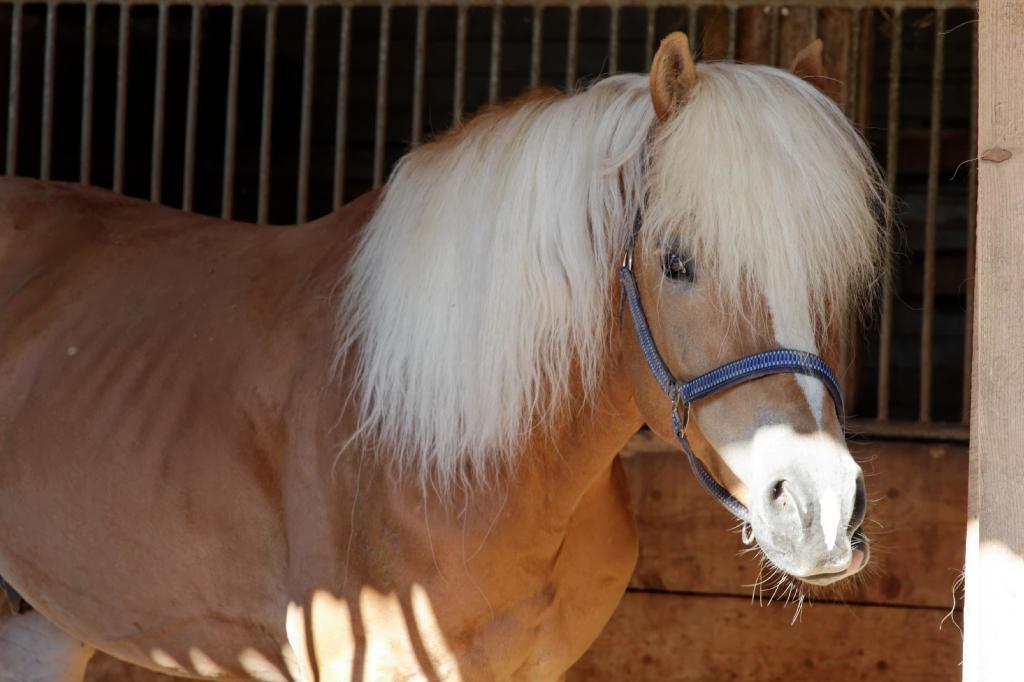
{"points": [[682, 394]]}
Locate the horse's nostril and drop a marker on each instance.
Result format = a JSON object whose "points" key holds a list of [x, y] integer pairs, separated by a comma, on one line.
{"points": [[859, 504]]}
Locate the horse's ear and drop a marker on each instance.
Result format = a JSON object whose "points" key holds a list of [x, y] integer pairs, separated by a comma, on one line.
{"points": [[808, 65], [673, 75]]}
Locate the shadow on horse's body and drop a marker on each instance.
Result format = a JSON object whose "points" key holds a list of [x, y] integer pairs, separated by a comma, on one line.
{"points": [[384, 444]]}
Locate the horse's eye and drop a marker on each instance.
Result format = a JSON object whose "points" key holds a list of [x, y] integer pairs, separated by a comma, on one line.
{"points": [[676, 267]]}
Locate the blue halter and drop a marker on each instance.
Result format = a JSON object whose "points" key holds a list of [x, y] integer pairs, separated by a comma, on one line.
{"points": [[682, 394]]}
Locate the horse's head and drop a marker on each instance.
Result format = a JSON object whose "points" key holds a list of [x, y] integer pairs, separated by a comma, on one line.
{"points": [[760, 230]]}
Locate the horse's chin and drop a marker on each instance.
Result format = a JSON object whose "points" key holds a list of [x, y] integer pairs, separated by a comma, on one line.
{"points": [[858, 561], [859, 557]]}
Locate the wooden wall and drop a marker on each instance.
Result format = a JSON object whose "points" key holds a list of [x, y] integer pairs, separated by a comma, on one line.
{"points": [[689, 614], [995, 541]]}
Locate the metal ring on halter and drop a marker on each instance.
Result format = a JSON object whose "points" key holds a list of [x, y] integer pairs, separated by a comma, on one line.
{"points": [[677, 400]]}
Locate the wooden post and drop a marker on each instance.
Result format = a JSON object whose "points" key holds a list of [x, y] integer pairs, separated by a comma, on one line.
{"points": [[995, 536]]}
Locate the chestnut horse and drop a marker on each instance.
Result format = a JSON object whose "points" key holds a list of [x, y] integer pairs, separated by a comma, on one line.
{"points": [[384, 444]]}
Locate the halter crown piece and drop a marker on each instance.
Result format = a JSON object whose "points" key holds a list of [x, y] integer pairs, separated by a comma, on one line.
{"points": [[682, 394]]}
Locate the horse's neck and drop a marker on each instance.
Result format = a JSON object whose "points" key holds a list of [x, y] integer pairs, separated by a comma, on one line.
{"points": [[558, 471]]}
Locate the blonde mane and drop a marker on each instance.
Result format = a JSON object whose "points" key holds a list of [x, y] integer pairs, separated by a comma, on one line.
{"points": [[484, 279]]}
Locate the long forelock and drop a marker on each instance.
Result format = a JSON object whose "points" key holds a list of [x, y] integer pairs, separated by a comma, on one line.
{"points": [[773, 192]]}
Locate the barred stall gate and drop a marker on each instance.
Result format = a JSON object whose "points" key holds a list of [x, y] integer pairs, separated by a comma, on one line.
{"points": [[278, 112]]}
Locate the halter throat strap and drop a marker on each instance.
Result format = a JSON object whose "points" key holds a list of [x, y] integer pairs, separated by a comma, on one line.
{"points": [[682, 394]]}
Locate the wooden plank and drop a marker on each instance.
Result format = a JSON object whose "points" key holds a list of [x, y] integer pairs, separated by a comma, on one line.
{"points": [[916, 521], [995, 567], [669, 637], [797, 29]]}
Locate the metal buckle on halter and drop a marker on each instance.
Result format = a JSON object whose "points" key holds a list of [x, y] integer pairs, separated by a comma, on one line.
{"points": [[680, 424], [627, 256]]}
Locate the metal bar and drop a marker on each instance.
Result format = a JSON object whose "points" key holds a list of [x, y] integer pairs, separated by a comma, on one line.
{"points": [[536, 33], [931, 206], [159, 92], [459, 96], [227, 193], [266, 120], [972, 218], [842, 4], [418, 73], [814, 22], [910, 430], [496, 37], [124, 21], [571, 47], [847, 341], [195, 39], [88, 69], [853, 65], [380, 131], [652, 14], [691, 28], [341, 107], [613, 38], [14, 92], [774, 19], [891, 165], [46, 134], [305, 134], [730, 50]]}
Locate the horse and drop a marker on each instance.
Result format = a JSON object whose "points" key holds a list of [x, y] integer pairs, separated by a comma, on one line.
{"points": [[384, 444]]}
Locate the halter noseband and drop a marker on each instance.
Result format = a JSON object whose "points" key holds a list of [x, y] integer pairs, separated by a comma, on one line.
{"points": [[683, 393]]}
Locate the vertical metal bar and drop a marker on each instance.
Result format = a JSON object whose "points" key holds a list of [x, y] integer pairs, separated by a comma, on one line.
{"points": [[730, 50], [891, 166], [691, 28], [195, 39], [341, 110], [459, 96], [570, 52], [972, 211], [380, 132], [302, 203], [418, 73], [496, 38], [931, 208], [652, 13], [853, 65], [46, 134], [227, 193], [536, 35], [88, 68], [124, 21], [14, 92], [847, 340], [773, 36], [613, 38], [266, 138], [159, 91], [814, 22]]}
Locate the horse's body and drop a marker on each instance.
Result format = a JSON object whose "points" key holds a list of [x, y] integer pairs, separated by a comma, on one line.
{"points": [[383, 445], [199, 516]]}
